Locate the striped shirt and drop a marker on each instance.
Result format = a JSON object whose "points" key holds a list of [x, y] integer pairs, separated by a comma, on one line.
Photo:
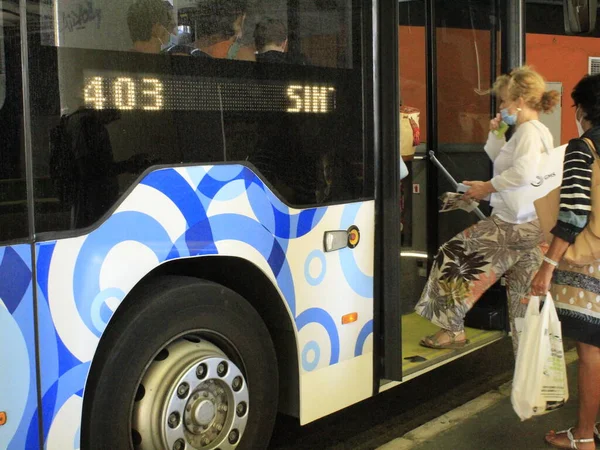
{"points": [[575, 192]]}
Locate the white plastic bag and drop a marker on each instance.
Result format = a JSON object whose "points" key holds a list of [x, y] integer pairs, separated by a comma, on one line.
{"points": [[403, 169], [540, 379]]}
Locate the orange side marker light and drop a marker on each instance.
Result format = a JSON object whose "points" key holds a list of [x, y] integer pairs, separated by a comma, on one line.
{"points": [[349, 318], [2, 418]]}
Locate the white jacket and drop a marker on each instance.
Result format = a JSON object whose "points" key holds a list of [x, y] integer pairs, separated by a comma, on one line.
{"points": [[515, 164]]}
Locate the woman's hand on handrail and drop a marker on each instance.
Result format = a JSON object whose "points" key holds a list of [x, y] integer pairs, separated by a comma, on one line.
{"points": [[479, 190]]}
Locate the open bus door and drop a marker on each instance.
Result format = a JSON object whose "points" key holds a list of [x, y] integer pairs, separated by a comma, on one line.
{"points": [[449, 56]]}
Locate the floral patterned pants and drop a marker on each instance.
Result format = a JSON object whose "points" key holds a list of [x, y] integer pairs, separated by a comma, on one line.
{"points": [[471, 262]]}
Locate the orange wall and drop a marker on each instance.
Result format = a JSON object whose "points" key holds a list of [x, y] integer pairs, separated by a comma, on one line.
{"points": [[563, 59], [411, 54], [463, 114]]}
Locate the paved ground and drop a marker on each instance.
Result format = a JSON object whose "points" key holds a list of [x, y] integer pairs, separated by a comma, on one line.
{"points": [[489, 423], [464, 405], [376, 421]]}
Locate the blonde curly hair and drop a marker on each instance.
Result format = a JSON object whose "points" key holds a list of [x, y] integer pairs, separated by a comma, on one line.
{"points": [[524, 82]]}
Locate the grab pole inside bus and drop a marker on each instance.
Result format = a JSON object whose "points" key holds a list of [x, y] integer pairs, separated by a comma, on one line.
{"points": [[451, 179]]}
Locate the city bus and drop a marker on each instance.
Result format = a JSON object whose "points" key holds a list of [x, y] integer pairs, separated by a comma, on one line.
{"points": [[192, 243]]}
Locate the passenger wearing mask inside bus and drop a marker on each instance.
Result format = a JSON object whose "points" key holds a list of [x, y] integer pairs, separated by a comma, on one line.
{"points": [[152, 29], [219, 27], [503, 244]]}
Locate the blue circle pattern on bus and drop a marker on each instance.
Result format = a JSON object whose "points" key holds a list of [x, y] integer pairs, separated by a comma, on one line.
{"points": [[360, 282], [18, 388], [269, 229], [315, 280], [313, 351], [365, 332], [322, 317]]}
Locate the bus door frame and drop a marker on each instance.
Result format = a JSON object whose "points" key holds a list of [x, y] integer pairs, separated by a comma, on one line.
{"points": [[388, 287]]}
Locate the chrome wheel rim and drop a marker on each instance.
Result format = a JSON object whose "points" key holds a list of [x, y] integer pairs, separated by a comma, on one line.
{"points": [[192, 396]]}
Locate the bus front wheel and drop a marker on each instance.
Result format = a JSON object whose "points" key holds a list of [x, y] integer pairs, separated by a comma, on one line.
{"points": [[187, 364]]}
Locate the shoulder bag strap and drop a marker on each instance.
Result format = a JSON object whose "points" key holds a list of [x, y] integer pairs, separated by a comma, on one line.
{"points": [[591, 146]]}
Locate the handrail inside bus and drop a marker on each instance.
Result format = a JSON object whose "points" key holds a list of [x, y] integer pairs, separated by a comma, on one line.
{"points": [[450, 178]]}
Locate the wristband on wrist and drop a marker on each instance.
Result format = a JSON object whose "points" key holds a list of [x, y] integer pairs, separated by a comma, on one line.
{"points": [[550, 261]]}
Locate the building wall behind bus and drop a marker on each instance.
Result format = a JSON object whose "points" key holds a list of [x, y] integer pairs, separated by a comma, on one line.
{"points": [[563, 59], [464, 114]]}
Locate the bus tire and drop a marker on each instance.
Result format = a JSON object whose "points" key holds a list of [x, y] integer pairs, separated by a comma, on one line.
{"points": [[186, 364]]}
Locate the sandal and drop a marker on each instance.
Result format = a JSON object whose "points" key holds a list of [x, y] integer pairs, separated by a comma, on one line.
{"points": [[596, 431], [572, 441], [433, 341]]}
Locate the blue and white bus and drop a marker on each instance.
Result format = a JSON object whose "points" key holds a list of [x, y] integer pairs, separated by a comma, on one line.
{"points": [[194, 241]]}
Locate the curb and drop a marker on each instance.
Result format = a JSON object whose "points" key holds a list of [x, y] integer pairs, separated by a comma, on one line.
{"points": [[445, 422]]}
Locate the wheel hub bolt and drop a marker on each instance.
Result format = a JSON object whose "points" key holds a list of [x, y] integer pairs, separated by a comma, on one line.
{"points": [[222, 369], [237, 384], [223, 408], [205, 394], [241, 409], [174, 420], [220, 392], [183, 390], [205, 441], [179, 444], [201, 371], [219, 427], [233, 436]]}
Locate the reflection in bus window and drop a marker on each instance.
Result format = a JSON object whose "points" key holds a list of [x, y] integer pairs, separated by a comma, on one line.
{"points": [[2, 63], [13, 190], [110, 99]]}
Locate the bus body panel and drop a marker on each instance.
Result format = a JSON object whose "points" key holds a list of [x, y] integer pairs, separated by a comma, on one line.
{"points": [[188, 212], [18, 390]]}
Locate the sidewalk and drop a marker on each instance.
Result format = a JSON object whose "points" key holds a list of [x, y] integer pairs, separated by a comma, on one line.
{"points": [[489, 423]]}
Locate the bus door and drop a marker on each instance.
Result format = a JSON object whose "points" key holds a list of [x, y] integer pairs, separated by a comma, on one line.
{"points": [[448, 57], [18, 385]]}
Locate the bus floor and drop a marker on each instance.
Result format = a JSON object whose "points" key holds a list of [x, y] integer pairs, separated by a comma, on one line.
{"points": [[417, 359]]}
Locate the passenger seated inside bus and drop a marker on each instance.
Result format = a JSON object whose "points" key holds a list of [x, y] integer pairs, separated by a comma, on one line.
{"points": [[219, 27], [153, 30], [271, 41]]}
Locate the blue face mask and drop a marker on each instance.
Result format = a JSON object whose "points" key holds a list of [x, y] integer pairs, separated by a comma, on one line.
{"points": [[174, 39], [508, 119]]}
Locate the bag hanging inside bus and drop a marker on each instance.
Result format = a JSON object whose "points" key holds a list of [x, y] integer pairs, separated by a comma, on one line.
{"points": [[540, 378], [410, 133]]}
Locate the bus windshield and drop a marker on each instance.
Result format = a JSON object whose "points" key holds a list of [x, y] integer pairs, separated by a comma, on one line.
{"points": [[134, 84]]}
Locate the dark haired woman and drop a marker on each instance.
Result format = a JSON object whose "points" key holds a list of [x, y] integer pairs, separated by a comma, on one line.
{"points": [[576, 290]]}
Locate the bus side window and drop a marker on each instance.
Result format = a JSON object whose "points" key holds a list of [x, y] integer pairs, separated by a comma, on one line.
{"points": [[13, 192], [2, 66]]}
